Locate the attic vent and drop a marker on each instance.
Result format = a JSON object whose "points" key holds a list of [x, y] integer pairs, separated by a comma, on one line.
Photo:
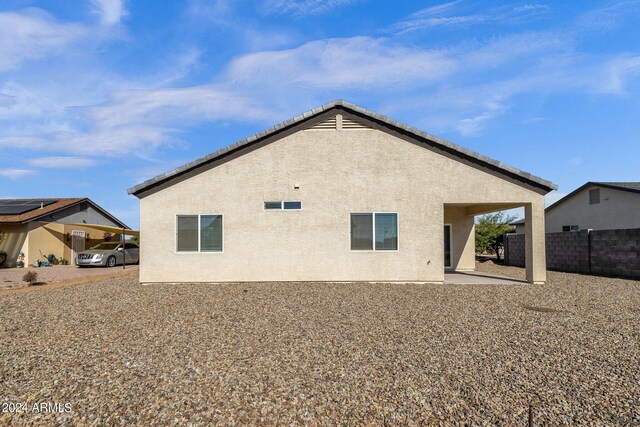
{"points": [[326, 125], [338, 122], [350, 124]]}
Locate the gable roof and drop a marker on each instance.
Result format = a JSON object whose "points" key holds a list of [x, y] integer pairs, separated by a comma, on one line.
{"points": [[58, 205], [633, 187], [358, 114]]}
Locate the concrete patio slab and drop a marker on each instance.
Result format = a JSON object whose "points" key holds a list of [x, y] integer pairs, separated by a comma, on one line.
{"points": [[476, 278]]}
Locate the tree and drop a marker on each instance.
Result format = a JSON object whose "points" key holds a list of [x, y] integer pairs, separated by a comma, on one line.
{"points": [[135, 239], [490, 231]]}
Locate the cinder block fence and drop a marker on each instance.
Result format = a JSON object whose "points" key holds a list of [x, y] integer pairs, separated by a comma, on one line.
{"points": [[603, 252]]}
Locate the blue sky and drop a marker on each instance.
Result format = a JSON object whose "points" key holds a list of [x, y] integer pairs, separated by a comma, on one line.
{"points": [[99, 95]]}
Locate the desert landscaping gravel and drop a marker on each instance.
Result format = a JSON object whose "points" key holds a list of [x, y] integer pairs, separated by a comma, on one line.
{"points": [[324, 354]]}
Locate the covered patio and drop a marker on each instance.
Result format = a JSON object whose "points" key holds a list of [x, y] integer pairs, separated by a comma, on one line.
{"points": [[459, 231]]}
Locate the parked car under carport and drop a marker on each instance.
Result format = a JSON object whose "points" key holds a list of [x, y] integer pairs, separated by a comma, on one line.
{"points": [[109, 254]]}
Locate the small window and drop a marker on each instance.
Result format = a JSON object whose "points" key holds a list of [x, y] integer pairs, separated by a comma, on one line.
{"points": [[273, 205], [374, 231], [594, 196], [292, 205], [570, 228], [566, 228], [199, 233]]}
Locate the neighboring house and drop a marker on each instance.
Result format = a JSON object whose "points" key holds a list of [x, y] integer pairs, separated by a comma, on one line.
{"points": [[594, 206], [39, 227], [338, 193]]}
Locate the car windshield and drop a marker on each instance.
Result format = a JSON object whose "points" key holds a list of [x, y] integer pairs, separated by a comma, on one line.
{"points": [[106, 246]]}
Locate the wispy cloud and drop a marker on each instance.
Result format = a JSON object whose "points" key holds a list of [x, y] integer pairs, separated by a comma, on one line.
{"points": [[111, 12], [15, 174], [304, 7], [358, 62], [474, 124], [454, 14], [63, 162], [32, 34]]}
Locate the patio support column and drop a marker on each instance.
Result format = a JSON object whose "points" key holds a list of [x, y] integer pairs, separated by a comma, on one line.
{"points": [[535, 260]]}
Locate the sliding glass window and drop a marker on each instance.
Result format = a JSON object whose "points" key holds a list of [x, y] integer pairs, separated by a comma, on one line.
{"points": [[187, 233], [361, 232], [211, 233], [199, 233], [386, 231], [376, 231]]}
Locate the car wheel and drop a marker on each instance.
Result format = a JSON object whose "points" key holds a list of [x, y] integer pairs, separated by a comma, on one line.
{"points": [[111, 261]]}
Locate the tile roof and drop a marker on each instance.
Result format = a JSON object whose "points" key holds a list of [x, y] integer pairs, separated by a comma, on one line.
{"points": [[38, 212], [476, 157], [58, 205], [633, 187], [625, 186]]}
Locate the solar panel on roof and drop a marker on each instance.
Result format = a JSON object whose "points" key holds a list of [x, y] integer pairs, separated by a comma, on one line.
{"points": [[18, 207]]}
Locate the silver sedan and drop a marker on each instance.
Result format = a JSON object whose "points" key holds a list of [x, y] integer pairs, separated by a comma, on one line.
{"points": [[109, 254]]}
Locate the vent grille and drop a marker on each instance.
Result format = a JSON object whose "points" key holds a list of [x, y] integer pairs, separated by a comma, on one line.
{"points": [[338, 122], [327, 124], [350, 124]]}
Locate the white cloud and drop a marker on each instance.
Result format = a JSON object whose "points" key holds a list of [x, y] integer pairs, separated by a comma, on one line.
{"points": [[62, 162], [15, 174], [618, 72], [111, 12], [444, 15], [473, 125], [304, 7], [32, 34], [358, 62]]}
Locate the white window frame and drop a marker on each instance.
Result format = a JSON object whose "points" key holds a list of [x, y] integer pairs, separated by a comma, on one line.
{"points": [[175, 243], [450, 266], [373, 219]]}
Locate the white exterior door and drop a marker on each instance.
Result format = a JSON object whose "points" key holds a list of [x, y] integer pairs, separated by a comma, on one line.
{"points": [[77, 243]]}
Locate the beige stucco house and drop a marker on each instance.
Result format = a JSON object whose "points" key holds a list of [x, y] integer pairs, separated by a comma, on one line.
{"points": [[31, 229], [594, 206], [338, 193]]}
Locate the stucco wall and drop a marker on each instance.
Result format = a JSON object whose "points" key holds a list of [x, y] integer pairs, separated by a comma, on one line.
{"points": [[338, 172], [617, 209], [462, 238]]}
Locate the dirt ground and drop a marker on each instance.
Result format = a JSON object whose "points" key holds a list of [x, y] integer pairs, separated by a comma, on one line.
{"points": [[11, 278]]}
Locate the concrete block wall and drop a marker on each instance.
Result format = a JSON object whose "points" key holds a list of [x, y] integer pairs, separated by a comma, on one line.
{"points": [[616, 252], [568, 251], [602, 252], [514, 250]]}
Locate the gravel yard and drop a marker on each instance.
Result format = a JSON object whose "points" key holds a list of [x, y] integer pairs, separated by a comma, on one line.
{"points": [[325, 354]]}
